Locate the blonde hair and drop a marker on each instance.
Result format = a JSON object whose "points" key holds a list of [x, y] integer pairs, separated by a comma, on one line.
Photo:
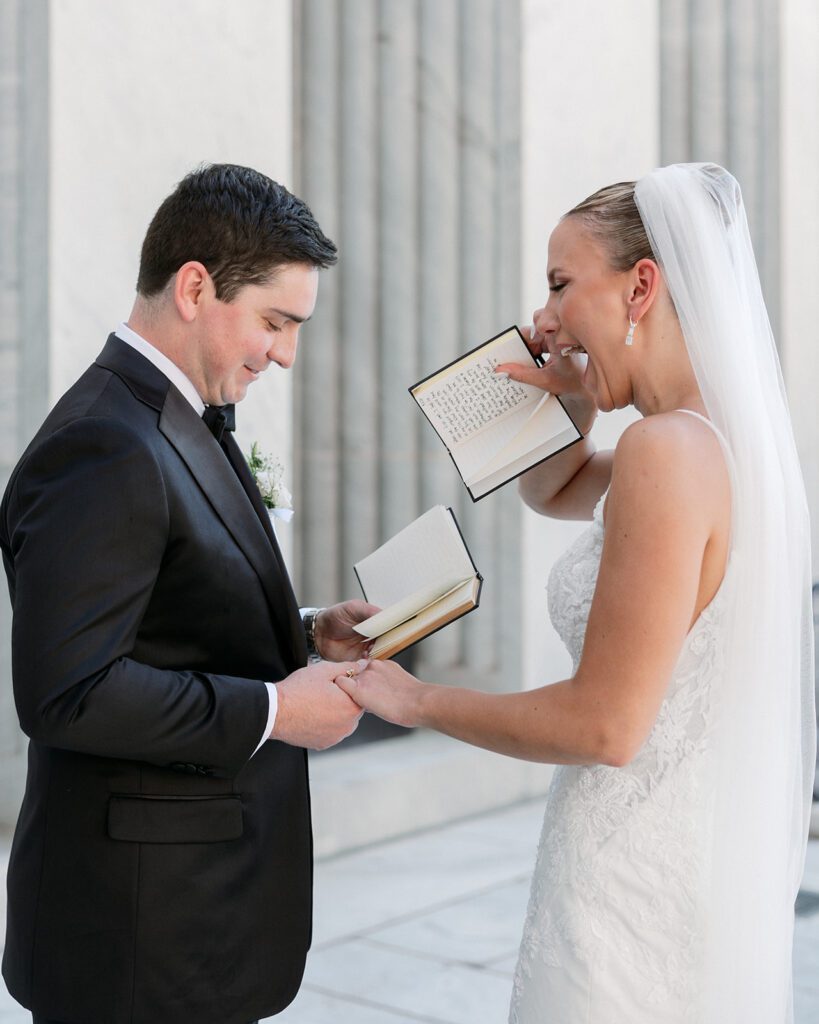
{"points": [[612, 217]]}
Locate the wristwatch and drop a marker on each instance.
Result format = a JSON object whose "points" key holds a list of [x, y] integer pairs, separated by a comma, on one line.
{"points": [[308, 618]]}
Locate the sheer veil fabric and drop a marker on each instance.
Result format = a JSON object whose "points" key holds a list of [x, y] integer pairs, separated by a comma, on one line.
{"points": [[765, 730]]}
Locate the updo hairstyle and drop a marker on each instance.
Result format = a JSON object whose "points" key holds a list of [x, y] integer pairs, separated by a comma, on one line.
{"points": [[612, 218]]}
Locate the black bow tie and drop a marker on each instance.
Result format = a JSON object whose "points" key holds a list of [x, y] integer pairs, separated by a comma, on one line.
{"points": [[220, 418]]}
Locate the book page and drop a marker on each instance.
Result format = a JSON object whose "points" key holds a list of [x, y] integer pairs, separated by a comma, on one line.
{"points": [[466, 398], [484, 447], [546, 421], [409, 607], [512, 469], [442, 612], [429, 552], [490, 426]]}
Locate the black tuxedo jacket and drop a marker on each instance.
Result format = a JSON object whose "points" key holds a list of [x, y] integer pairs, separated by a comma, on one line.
{"points": [[159, 874]]}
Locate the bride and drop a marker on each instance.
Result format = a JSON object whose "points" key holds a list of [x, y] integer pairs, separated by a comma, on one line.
{"points": [[675, 829]]}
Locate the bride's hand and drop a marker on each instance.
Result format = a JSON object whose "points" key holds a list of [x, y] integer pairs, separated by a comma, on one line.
{"points": [[386, 690], [560, 375]]}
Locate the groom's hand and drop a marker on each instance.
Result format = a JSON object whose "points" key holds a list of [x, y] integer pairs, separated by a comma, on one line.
{"points": [[336, 639], [313, 712]]}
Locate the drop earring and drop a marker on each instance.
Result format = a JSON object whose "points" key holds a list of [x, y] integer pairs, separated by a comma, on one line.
{"points": [[630, 336]]}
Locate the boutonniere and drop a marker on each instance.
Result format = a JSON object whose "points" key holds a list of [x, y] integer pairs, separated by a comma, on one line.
{"points": [[267, 472]]}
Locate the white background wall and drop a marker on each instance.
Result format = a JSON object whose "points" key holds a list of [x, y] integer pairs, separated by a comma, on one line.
{"points": [[140, 94], [590, 95]]}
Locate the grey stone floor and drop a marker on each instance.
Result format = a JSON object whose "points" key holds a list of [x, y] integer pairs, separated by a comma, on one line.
{"points": [[426, 928]]}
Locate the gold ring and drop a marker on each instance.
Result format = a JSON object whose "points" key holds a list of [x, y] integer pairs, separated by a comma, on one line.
{"points": [[350, 673]]}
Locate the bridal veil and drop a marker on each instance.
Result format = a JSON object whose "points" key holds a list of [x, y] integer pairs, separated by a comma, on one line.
{"points": [[765, 730]]}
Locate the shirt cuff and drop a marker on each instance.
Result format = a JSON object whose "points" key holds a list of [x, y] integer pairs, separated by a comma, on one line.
{"points": [[273, 707]]}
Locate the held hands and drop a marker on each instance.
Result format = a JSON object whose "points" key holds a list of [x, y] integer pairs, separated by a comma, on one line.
{"points": [[313, 712], [336, 640], [560, 375], [384, 688]]}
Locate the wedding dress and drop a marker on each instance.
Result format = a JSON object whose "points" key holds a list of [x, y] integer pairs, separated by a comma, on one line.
{"points": [[614, 928]]}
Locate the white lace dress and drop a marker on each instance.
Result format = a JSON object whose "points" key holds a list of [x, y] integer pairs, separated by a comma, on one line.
{"points": [[613, 932]]}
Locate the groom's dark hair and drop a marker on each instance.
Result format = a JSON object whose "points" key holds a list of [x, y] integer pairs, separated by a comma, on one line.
{"points": [[239, 223]]}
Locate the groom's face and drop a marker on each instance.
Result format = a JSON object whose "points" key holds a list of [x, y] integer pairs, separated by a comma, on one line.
{"points": [[238, 340]]}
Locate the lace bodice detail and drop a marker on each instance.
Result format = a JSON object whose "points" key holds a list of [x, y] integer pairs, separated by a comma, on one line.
{"points": [[616, 903]]}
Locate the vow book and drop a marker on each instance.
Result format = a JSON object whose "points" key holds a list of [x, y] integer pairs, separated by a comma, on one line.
{"points": [[422, 579], [493, 429]]}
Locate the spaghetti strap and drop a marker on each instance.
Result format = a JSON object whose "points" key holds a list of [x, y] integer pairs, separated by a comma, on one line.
{"points": [[708, 423]]}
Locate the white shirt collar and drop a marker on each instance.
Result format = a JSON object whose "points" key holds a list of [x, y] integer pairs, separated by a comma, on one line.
{"points": [[163, 364]]}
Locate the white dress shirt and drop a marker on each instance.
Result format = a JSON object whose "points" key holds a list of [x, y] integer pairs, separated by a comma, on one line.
{"points": [[186, 388]]}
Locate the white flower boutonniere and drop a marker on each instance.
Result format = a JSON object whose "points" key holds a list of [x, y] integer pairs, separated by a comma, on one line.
{"points": [[267, 472]]}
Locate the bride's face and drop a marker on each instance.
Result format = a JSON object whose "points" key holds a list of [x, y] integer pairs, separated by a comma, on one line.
{"points": [[587, 311]]}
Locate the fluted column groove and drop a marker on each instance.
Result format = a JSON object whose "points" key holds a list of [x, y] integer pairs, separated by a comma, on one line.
{"points": [[417, 180], [720, 101]]}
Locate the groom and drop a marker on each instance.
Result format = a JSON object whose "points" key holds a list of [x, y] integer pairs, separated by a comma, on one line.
{"points": [[161, 867]]}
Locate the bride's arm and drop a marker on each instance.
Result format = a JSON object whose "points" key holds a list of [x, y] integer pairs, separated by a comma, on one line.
{"points": [[665, 506], [569, 485]]}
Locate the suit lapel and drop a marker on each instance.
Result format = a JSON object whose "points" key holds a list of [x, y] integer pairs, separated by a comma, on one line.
{"points": [[214, 474], [232, 500], [240, 467]]}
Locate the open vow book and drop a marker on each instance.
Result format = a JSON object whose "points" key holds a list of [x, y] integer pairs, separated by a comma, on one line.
{"points": [[422, 579], [493, 429]]}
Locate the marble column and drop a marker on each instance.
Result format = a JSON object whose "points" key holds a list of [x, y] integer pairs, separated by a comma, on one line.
{"points": [[416, 169], [316, 441], [720, 71]]}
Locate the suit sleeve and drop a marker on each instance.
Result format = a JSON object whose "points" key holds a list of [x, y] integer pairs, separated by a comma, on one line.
{"points": [[87, 528]]}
